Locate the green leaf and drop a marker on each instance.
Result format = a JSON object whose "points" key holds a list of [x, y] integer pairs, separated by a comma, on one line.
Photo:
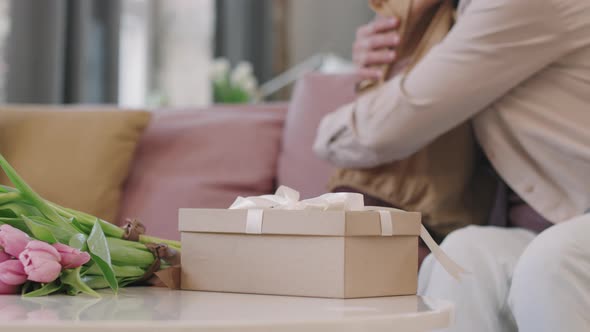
{"points": [[125, 253], [98, 282], [94, 270], [95, 281], [7, 189], [87, 221], [120, 271], [16, 223], [100, 253], [9, 197], [76, 285], [63, 235], [11, 210], [28, 193], [39, 231], [78, 241], [115, 242], [79, 225], [46, 289], [129, 271]]}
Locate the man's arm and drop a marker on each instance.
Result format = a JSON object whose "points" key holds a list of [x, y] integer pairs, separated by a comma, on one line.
{"points": [[494, 47]]}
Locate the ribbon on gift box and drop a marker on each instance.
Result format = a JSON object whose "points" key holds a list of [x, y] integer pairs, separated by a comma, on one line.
{"points": [[287, 198]]}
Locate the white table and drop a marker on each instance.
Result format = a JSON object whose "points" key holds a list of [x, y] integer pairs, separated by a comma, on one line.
{"points": [[163, 310]]}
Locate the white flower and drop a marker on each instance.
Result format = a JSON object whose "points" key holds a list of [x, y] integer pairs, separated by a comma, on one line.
{"points": [[249, 85], [242, 73], [219, 69]]}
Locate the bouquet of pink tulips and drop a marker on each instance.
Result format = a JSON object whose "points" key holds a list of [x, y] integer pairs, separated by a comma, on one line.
{"points": [[23, 259], [46, 248]]}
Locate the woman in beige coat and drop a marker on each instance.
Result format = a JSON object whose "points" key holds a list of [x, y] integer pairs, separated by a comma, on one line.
{"points": [[520, 71]]}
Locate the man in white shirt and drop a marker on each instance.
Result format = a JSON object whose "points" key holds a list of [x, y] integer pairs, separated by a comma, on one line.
{"points": [[520, 70]]}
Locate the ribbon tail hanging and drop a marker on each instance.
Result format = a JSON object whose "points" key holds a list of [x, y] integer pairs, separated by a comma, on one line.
{"points": [[447, 263], [288, 199]]}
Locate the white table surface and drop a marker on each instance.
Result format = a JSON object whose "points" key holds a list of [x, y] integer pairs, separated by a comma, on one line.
{"points": [[159, 309]]}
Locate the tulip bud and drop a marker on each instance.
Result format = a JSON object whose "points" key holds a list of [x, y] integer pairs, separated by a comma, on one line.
{"points": [[71, 258], [12, 272], [12, 240], [41, 262], [4, 256]]}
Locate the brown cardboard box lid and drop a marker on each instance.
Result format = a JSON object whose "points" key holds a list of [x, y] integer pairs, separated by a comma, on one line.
{"points": [[300, 222]]}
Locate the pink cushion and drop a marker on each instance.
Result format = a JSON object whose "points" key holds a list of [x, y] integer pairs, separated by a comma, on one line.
{"points": [[315, 95], [201, 159]]}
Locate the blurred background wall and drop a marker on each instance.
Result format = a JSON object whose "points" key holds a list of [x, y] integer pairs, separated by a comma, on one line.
{"points": [[159, 52], [324, 26]]}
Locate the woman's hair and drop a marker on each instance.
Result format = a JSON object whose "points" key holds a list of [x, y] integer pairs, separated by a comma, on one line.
{"points": [[418, 34], [430, 30]]}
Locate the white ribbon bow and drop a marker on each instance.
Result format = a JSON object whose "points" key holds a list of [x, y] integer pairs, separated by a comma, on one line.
{"points": [[286, 198]]}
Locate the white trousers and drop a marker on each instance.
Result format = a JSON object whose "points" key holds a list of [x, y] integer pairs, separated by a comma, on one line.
{"points": [[517, 282]]}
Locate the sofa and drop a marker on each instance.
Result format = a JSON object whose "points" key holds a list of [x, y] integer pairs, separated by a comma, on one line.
{"points": [[120, 164]]}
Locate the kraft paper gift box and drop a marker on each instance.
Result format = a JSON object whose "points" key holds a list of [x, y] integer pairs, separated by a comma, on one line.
{"points": [[331, 246]]}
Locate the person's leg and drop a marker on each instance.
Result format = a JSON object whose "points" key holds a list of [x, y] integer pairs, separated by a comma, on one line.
{"points": [[551, 286], [489, 254]]}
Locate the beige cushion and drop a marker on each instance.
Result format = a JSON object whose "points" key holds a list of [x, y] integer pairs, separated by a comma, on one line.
{"points": [[76, 157]]}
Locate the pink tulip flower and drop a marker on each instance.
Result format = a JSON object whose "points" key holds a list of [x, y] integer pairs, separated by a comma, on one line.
{"points": [[12, 240], [4, 256], [41, 262], [71, 258], [12, 273], [7, 289]]}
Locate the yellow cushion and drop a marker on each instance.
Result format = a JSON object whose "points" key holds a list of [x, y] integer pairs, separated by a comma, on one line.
{"points": [[78, 157]]}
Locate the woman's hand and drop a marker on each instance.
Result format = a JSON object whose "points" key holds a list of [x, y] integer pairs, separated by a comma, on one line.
{"points": [[375, 45]]}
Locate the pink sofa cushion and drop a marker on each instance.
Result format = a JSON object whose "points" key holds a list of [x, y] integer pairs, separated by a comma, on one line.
{"points": [[315, 95], [201, 159]]}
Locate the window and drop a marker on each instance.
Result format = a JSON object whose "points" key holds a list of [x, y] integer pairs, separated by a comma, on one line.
{"points": [[4, 31], [165, 50]]}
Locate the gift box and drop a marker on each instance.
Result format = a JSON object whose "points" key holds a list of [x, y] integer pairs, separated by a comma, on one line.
{"points": [[331, 246]]}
